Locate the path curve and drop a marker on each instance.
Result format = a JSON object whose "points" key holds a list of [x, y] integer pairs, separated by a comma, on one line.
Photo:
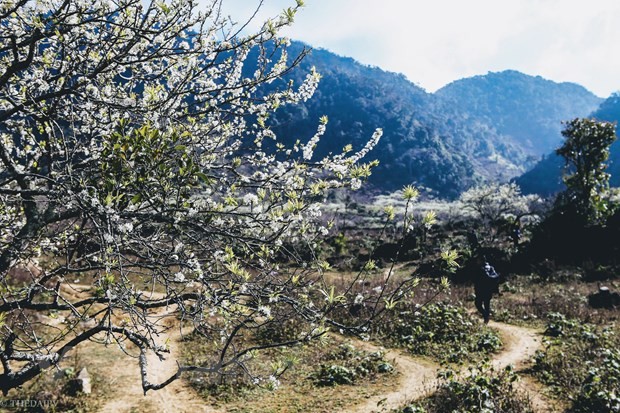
{"points": [[176, 397], [418, 375], [520, 345], [122, 373]]}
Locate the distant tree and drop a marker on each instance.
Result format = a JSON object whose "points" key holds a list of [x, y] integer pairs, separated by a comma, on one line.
{"points": [[132, 159], [585, 151], [494, 204]]}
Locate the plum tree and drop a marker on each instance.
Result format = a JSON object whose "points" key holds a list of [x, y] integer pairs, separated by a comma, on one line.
{"points": [[136, 157]]}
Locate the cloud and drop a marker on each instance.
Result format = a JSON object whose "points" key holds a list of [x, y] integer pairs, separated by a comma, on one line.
{"points": [[435, 42]]}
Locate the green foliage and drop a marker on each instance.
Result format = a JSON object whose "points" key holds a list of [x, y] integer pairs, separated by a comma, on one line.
{"points": [[582, 363], [340, 244], [544, 178], [330, 375], [448, 260], [585, 151], [347, 365], [136, 162], [441, 330], [482, 390], [600, 391]]}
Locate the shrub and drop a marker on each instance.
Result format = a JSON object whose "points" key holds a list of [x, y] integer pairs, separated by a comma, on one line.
{"points": [[482, 390], [582, 363], [601, 389], [347, 364], [441, 330]]}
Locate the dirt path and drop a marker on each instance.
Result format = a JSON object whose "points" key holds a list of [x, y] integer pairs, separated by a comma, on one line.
{"points": [[122, 373], [522, 344], [127, 395], [419, 375]]}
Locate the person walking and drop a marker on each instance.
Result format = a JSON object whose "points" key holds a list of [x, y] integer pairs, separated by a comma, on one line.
{"points": [[485, 285]]}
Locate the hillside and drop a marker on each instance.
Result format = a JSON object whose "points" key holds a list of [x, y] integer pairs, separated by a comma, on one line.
{"points": [[545, 177], [527, 109], [358, 99], [438, 141]]}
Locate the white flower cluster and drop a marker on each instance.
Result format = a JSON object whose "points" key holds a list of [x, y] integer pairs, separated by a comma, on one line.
{"points": [[369, 145], [149, 160], [264, 311], [308, 149]]}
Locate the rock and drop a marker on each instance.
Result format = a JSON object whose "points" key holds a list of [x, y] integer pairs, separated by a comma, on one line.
{"points": [[81, 384], [604, 298], [85, 381]]}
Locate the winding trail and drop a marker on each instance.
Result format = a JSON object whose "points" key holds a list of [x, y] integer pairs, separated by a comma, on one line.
{"points": [[122, 372], [178, 396], [419, 375]]}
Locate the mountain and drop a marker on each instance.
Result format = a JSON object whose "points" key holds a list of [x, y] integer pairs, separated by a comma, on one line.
{"points": [[527, 109], [437, 141], [545, 178]]}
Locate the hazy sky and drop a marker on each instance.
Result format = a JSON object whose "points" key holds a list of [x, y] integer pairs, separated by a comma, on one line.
{"points": [[436, 42]]}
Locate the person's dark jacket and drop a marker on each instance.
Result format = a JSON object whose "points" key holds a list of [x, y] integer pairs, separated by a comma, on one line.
{"points": [[488, 282]]}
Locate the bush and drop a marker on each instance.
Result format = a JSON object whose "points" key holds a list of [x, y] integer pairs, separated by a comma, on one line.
{"points": [[601, 389], [329, 375], [347, 365], [441, 330], [483, 390], [581, 363]]}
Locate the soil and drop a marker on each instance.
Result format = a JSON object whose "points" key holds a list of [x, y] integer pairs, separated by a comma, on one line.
{"points": [[120, 372], [417, 374], [177, 397]]}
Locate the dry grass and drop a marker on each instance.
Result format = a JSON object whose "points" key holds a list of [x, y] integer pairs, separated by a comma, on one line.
{"points": [[525, 299], [298, 391]]}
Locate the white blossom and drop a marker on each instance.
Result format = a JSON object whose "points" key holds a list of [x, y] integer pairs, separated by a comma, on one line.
{"points": [[179, 277], [125, 228], [264, 311]]}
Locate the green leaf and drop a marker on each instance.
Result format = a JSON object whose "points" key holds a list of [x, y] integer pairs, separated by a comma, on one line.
{"points": [[204, 177]]}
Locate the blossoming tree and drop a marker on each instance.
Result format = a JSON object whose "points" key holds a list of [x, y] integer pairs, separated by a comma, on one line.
{"points": [[136, 159], [494, 204]]}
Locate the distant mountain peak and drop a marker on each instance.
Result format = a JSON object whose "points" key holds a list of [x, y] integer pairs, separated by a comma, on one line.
{"points": [[527, 109], [488, 127]]}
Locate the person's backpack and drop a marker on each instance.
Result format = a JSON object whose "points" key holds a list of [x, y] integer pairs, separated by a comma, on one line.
{"points": [[492, 277]]}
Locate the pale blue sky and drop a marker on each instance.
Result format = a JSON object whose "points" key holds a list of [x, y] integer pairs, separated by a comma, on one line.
{"points": [[434, 42]]}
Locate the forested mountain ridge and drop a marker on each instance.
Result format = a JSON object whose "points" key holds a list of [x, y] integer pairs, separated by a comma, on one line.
{"points": [[358, 99], [527, 109], [546, 176], [431, 140]]}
